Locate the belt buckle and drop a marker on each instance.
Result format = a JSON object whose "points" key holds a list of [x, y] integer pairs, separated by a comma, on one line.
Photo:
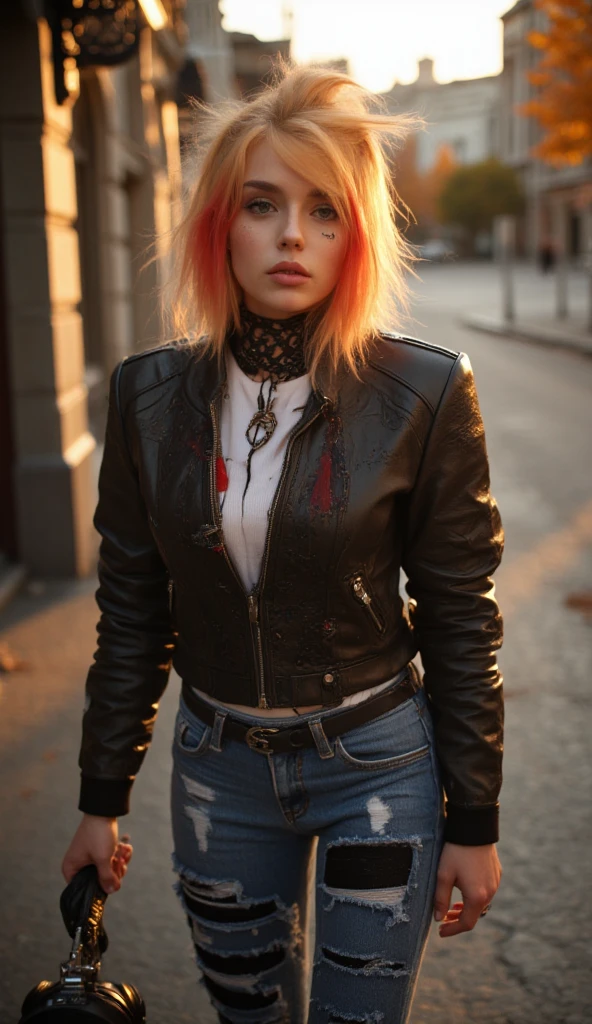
{"points": [[256, 740]]}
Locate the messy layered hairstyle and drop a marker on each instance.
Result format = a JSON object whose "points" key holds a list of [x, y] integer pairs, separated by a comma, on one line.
{"points": [[336, 135]]}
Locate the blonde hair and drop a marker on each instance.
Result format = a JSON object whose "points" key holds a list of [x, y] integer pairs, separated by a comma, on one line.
{"points": [[340, 137]]}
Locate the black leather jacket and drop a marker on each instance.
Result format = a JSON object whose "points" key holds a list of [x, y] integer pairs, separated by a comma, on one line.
{"points": [[387, 472]]}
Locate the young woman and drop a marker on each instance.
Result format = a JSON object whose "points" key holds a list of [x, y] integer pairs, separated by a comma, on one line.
{"points": [[262, 487]]}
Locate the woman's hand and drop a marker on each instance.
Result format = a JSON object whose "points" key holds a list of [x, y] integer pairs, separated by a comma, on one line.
{"points": [[476, 871], [96, 842]]}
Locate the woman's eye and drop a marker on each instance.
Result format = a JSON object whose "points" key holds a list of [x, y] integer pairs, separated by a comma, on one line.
{"points": [[326, 212], [260, 206]]}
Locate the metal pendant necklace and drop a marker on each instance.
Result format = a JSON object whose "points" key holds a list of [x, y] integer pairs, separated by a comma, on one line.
{"points": [[264, 419], [275, 347]]}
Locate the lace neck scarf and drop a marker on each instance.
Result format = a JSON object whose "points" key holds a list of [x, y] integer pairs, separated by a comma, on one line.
{"points": [[274, 346]]}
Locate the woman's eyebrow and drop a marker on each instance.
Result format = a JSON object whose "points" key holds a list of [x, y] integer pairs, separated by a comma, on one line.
{"points": [[268, 186], [265, 186]]}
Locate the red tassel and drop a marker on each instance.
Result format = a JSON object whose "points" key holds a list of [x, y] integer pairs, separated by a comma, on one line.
{"points": [[221, 475], [321, 494]]}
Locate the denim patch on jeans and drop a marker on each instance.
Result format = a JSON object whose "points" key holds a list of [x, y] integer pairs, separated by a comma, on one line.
{"points": [[360, 814]]}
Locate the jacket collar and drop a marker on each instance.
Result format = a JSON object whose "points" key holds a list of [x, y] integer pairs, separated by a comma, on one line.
{"points": [[205, 378]]}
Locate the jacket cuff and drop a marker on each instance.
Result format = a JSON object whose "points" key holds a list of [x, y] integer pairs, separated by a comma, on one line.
{"points": [[107, 798], [471, 826]]}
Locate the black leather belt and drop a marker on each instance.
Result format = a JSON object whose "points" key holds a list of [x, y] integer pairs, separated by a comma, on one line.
{"points": [[287, 739]]}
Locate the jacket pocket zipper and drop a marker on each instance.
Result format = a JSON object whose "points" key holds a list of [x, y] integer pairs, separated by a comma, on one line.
{"points": [[361, 594]]}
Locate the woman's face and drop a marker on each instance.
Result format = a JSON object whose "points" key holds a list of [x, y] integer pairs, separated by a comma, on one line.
{"points": [[287, 244]]}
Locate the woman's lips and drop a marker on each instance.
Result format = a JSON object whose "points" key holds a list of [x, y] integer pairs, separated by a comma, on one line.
{"points": [[289, 277], [289, 272]]}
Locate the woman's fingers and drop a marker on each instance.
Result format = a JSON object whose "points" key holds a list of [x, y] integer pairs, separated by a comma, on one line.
{"points": [[464, 919], [120, 869], [71, 865], [443, 894], [476, 871], [109, 879], [121, 859], [453, 914]]}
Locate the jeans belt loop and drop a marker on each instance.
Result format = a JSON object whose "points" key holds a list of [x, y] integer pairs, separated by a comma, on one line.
{"points": [[217, 729], [322, 744]]}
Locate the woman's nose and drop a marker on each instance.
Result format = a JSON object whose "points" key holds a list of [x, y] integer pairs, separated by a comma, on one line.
{"points": [[291, 235]]}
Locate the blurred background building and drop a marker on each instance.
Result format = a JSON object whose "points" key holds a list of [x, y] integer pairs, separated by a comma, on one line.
{"points": [[252, 59], [95, 111], [94, 97], [558, 200], [477, 157], [461, 115]]}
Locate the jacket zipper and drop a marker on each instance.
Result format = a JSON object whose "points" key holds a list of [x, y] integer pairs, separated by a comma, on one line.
{"points": [[361, 594], [254, 595], [253, 602]]}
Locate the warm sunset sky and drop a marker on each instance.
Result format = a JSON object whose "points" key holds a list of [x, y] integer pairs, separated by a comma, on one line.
{"points": [[383, 38]]}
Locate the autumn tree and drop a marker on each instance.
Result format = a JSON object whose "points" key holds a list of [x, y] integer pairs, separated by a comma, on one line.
{"points": [[420, 191], [563, 81], [477, 193], [435, 180]]}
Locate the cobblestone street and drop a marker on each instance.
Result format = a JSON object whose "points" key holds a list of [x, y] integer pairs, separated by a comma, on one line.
{"points": [[528, 961]]}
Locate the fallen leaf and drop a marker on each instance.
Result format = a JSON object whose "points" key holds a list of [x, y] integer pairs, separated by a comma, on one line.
{"points": [[581, 602], [11, 662]]}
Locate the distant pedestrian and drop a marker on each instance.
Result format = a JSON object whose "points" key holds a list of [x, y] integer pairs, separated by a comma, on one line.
{"points": [[546, 255], [263, 485]]}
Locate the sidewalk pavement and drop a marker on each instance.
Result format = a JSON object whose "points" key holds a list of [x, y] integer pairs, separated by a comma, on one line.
{"points": [[570, 333], [529, 958], [474, 292], [48, 630]]}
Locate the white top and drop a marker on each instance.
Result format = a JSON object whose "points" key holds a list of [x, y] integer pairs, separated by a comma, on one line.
{"points": [[245, 532], [245, 527]]}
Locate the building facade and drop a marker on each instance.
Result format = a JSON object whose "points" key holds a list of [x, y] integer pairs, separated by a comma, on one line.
{"points": [[210, 47], [95, 96], [558, 200], [462, 115], [89, 175], [253, 60]]}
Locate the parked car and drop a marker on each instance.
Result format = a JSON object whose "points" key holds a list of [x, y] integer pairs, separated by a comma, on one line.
{"points": [[436, 250]]}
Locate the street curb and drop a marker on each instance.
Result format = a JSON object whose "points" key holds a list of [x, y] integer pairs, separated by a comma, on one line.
{"points": [[538, 335]]}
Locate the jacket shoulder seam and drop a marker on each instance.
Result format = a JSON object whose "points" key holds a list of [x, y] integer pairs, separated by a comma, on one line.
{"points": [[149, 387], [154, 384], [168, 345], [418, 343]]}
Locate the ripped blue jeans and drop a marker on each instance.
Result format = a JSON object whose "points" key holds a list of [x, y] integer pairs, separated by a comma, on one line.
{"points": [[360, 816]]}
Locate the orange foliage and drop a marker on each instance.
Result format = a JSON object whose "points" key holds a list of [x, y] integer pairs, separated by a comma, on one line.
{"points": [[421, 192], [435, 180], [563, 78]]}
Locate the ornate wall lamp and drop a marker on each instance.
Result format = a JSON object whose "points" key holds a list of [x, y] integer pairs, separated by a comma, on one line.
{"points": [[87, 33]]}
